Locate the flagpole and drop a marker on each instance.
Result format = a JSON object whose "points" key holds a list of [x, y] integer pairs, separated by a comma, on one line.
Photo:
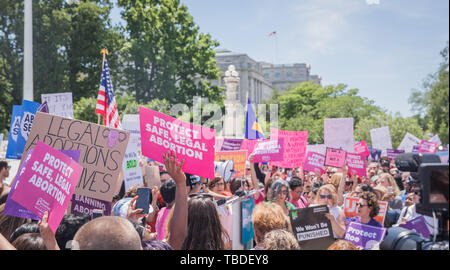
{"points": [[104, 52]]}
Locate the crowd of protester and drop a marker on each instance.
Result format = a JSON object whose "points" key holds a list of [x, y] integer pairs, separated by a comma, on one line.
{"points": [[185, 216]]}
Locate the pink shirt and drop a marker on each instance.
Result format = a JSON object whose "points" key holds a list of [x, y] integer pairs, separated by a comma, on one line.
{"points": [[300, 203], [161, 222]]}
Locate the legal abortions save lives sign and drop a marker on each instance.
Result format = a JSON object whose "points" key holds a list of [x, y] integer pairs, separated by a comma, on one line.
{"points": [[312, 228], [48, 183], [102, 150], [161, 133]]}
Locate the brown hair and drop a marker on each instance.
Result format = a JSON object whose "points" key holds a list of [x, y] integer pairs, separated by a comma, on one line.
{"points": [[29, 241], [216, 180], [335, 180], [8, 224], [267, 185], [372, 201], [280, 240], [342, 245], [267, 217], [132, 191]]}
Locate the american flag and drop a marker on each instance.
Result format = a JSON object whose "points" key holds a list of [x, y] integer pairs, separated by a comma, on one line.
{"points": [[106, 103]]}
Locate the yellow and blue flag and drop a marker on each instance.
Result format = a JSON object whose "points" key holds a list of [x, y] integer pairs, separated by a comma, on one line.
{"points": [[253, 130]]}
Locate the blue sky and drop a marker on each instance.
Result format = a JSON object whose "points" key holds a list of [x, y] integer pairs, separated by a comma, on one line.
{"points": [[384, 49]]}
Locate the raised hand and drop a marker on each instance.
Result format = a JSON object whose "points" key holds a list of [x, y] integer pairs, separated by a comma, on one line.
{"points": [[174, 168], [47, 234]]}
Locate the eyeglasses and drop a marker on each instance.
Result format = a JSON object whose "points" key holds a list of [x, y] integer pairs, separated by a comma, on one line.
{"points": [[220, 184], [361, 205], [201, 195], [348, 183], [326, 197], [284, 192], [330, 173]]}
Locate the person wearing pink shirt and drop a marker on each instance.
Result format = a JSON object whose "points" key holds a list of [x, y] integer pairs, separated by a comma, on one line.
{"points": [[296, 190]]}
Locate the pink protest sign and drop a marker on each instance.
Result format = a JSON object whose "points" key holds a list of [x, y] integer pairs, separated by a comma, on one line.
{"points": [[356, 164], [294, 147], [269, 150], [48, 183], [361, 148], [314, 162], [161, 133], [335, 157], [427, 147], [249, 145]]}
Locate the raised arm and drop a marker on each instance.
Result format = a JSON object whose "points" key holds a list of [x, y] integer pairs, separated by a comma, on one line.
{"points": [[178, 223], [5, 244], [341, 187]]}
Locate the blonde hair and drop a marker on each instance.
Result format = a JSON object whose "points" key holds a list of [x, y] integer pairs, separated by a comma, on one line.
{"points": [[330, 188], [335, 180], [381, 189], [392, 182], [280, 240]]}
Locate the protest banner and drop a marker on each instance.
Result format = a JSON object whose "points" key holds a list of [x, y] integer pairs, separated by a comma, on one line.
{"points": [[14, 130], [132, 172], [316, 148], [238, 157], [381, 139], [47, 184], [314, 162], [102, 150], [294, 147], [29, 109], [351, 210], [312, 228], [59, 104], [408, 142], [85, 205], [375, 154], [356, 164], [249, 145], [436, 139], [361, 148], [335, 157], [427, 147], [418, 225], [393, 153], [247, 232], [161, 133], [269, 150], [338, 133], [364, 236], [231, 144]]}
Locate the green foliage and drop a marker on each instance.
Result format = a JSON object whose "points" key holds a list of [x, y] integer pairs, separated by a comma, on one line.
{"points": [[432, 102], [166, 56], [84, 109]]}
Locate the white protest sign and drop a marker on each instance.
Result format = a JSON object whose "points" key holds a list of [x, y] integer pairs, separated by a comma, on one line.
{"points": [[59, 104], [408, 142], [436, 139], [131, 170], [381, 139], [317, 148], [338, 133]]}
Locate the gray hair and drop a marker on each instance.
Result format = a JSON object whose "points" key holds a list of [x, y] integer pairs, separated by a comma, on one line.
{"points": [[275, 190]]}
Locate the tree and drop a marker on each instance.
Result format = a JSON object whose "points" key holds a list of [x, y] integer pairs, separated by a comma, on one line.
{"points": [[166, 56], [432, 103]]}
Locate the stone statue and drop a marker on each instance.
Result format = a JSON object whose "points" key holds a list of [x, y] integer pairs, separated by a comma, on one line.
{"points": [[231, 81]]}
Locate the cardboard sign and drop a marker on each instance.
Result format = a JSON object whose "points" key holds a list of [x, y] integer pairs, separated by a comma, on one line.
{"points": [[356, 164], [361, 148], [350, 209], [14, 130], [231, 145], [317, 148], [294, 147], [418, 225], [408, 142], [48, 183], [269, 150], [364, 236], [314, 162], [195, 144], [247, 232], [338, 133], [29, 109], [238, 157], [59, 104], [312, 228], [393, 153], [335, 157], [102, 150], [427, 147], [381, 138], [85, 205]]}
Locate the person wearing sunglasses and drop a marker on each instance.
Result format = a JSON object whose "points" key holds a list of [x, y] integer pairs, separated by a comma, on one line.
{"points": [[367, 208], [279, 194], [327, 195]]}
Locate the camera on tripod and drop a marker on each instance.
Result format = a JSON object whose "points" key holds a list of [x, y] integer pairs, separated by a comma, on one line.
{"points": [[432, 176]]}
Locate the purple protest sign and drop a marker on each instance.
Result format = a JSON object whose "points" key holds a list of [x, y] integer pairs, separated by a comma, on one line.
{"points": [[418, 225], [356, 164], [231, 145], [364, 236], [269, 150], [375, 154], [314, 162], [85, 205], [335, 157], [415, 149], [393, 153]]}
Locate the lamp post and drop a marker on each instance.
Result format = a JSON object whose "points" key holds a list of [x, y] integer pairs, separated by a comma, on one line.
{"points": [[28, 51]]}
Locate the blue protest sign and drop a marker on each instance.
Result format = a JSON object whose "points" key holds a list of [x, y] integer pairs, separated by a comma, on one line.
{"points": [[14, 130], [247, 232], [29, 109]]}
